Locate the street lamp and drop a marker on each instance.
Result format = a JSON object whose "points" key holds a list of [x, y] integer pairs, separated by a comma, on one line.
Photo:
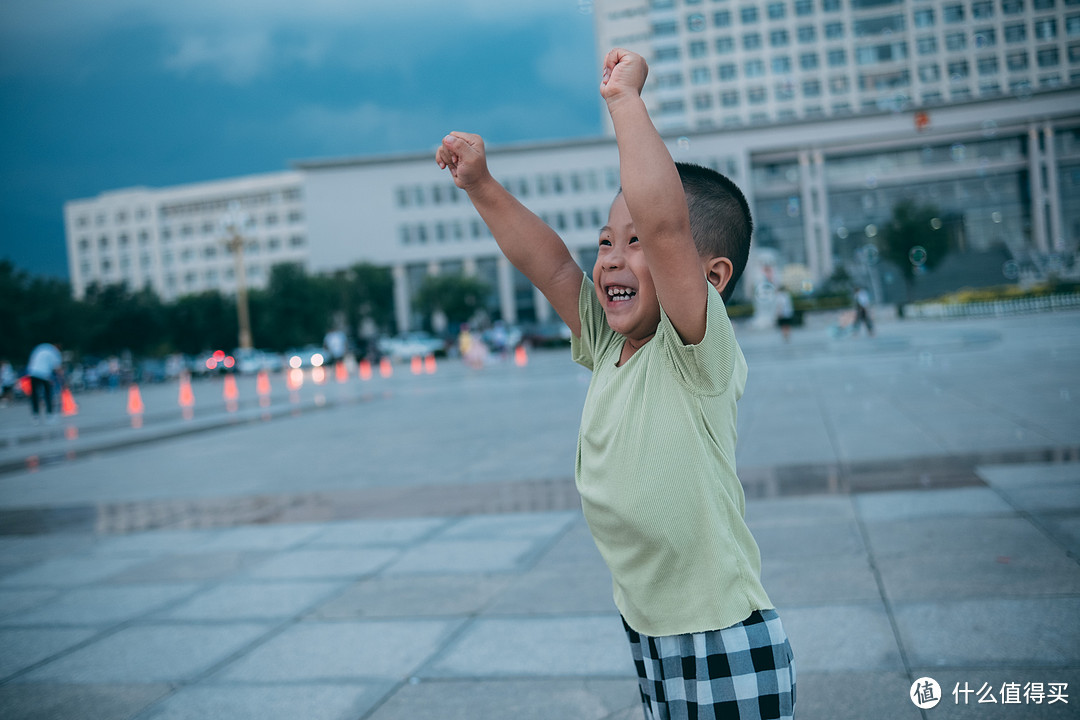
{"points": [[232, 224]]}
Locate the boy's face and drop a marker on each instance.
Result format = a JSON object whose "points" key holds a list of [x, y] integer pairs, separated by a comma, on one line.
{"points": [[623, 282]]}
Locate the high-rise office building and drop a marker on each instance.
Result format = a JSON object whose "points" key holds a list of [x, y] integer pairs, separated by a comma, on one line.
{"points": [[737, 63]]}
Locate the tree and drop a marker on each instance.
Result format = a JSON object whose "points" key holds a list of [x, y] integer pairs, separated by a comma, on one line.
{"points": [[295, 309], [457, 296], [911, 227], [202, 322]]}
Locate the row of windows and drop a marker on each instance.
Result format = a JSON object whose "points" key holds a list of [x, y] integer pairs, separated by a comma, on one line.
{"points": [[187, 230], [460, 230], [1044, 29], [543, 184], [120, 217], [272, 244], [223, 205], [190, 278]]}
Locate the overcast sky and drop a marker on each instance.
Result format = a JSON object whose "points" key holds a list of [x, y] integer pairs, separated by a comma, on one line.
{"points": [[97, 95]]}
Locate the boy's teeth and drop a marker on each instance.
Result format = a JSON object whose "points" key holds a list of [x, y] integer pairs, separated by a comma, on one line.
{"points": [[620, 292]]}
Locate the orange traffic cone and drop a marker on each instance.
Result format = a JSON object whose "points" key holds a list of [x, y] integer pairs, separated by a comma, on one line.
{"points": [[521, 358], [365, 370], [67, 403], [187, 398], [416, 364], [135, 405], [230, 392], [262, 383], [341, 374], [429, 365], [386, 368]]}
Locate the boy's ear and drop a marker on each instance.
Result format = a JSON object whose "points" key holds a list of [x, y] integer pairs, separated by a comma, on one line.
{"points": [[718, 271]]}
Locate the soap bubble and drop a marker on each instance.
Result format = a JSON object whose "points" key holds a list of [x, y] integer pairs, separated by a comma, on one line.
{"points": [[917, 256], [683, 143], [871, 230], [1010, 270]]}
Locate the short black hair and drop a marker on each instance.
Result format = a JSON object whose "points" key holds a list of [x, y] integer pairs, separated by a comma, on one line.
{"points": [[719, 218]]}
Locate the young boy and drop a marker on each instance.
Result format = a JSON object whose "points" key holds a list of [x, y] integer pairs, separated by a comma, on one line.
{"points": [[656, 448]]}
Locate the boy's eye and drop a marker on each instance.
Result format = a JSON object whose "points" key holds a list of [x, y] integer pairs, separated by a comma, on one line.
{"points": [[604, 241], [634, 239]]}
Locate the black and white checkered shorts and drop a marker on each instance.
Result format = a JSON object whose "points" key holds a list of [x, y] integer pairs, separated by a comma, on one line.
{"points": [[744, 671]]}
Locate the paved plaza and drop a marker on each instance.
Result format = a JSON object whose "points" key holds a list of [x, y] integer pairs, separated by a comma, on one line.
{"points": [[413, 547]]}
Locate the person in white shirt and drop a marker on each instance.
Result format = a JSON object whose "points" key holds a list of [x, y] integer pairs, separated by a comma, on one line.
{"points": [[45, 363]]}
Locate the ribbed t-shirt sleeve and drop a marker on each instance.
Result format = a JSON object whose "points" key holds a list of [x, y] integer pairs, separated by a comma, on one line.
{"points": [[707, 367], [594, 327]]}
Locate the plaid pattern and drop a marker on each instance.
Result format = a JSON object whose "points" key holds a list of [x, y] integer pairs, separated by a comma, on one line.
{"points": [[744, 671]]}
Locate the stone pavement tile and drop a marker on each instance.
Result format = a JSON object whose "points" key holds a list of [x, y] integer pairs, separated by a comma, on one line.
{"points": [[415, 596], [236, 601], [22, 550], [329, 563], [342, 651], [157, 542], [841, 580], [467, 556], [826, 538], [932, 576], [150, 654], [25, 647], [190, 568], [1014, 631], [989, 535], [574, 547], [800, 510], [911, 504], [85, 702], [841, 637], [509, 526], [1066, 528], [68, 571], [571, 590], [103, 605], [853, 695], [309, 701], [16, 600], [375, 532], [262, 537], [540, 647], [540, 699], [1001, 684]]}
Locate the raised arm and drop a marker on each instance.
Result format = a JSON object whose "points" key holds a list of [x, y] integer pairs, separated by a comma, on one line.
{"points": [[654, 195], [527, 241]]}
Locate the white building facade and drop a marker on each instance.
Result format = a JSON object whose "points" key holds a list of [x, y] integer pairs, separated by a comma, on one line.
{"points": [[172, 240], [734, 63]]}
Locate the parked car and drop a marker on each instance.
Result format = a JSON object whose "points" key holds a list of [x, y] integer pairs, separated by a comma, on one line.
{"points": [[307, 356], [549, 334], [411, 345], [252, 360]]}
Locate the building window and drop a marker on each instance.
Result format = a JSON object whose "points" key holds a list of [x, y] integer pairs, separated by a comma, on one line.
{"points": [[669, 80], [1072, 25], [955, 41], [700, 76], [985, 37], [695, 22], [808, 61], [776, 10], [958, 70], [924, 18], [702, 102], [662, 29], [1043, 4], [672, 107], [779, 38], [724, 45], [807, 34], [754, 68], [830, 5], [1017, 61], [839, 85], [811, 88], [926, 45], [982, 9], [1048, 57], [837, 58], [1046, 29], [781, 65], [804, 7], [1012, 7], [879, 25], [987, 65], [834, 31], [1015, 33], [755, 95], [729, 98], [698, 49], [667, 53], [722, 18], [929, 73], [748, 14], [752, 41], [953, 13], [727, 71]]}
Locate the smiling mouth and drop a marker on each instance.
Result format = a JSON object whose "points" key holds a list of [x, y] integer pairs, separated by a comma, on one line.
{"points": [[618, 293]]}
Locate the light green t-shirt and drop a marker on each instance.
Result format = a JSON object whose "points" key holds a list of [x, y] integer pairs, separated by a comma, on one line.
{"points": [[656, 473]]}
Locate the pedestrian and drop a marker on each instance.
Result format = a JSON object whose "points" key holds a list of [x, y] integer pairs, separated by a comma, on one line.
{"points": [[44, 366], [785, 313], [7, 382], [656, 445], [862, 312]]}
